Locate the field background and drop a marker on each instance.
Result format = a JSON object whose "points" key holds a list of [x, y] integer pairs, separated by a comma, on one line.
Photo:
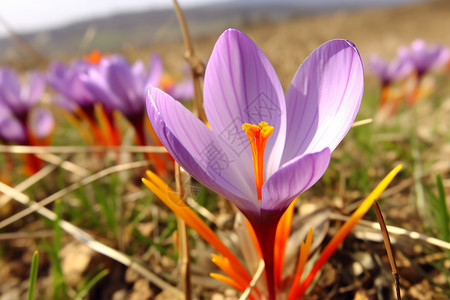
{"points": [[417, 137]]}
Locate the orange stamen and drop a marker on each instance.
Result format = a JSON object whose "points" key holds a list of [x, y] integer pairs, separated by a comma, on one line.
{"points": [[303, 257], [257, 136], [179, 207], [111, 134], [281, 236], [345, 229], [228, 281], [224, 264]]}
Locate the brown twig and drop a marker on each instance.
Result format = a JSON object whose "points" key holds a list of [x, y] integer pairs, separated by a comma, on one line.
{"points": [[390, 252], [197, 66]]}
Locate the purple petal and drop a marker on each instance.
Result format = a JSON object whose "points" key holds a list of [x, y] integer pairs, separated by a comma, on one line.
{"points": [[96, 84], [11, 129], [195, 147], [426, 57], [378, 66], [388, 72], [36, 88], [65, 103], [10, 91], [68, 82], [241, 86], [42, 123], [292, 179], [323, 99], [122, 82], [183, 91], [156, 71]]}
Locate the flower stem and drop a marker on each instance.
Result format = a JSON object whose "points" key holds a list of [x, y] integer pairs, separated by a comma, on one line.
{"points": [[266, 238]]}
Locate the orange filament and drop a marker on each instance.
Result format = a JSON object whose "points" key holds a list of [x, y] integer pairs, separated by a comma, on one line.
{"points": [[257, 136], [343, 232], [281, 237]]}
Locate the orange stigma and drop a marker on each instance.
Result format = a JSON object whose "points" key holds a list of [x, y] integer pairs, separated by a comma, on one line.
{"points": [[94, 57], [167, 83], [257, 136]]}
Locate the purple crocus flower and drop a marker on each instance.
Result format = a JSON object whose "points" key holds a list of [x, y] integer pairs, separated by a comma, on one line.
{"points": [[241, 88], [20, 120], [120, 86], [66, 80], [426, 57], [390, 71], [11, 129], [20, 98]]}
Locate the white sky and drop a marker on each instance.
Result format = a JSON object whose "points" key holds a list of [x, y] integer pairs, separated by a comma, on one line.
{"points": [[32, 15]]}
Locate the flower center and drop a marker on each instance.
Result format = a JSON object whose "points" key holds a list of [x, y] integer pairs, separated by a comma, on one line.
{"points": [[257, 136]]}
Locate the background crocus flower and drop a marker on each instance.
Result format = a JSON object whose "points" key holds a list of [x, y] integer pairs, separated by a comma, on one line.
{"points": [[119, 85], [425, 57], [20, 98], [241, 87], [11, 129], [66, 80], [390, 71], [75, 97], [21, 121]]}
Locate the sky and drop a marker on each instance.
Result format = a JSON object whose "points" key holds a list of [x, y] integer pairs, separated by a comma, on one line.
{"points": [[32, 15], [25, 16]]}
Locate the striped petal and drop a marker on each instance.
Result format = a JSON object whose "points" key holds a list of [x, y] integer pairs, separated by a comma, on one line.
{"points": [[323, 99], [199, 151], [241, 86], [292, 179]]}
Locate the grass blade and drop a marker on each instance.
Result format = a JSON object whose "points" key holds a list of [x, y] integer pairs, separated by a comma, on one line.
{"points": [[33, 275]]}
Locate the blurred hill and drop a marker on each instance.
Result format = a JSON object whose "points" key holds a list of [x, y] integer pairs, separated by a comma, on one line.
{"points": [[160, 26]]}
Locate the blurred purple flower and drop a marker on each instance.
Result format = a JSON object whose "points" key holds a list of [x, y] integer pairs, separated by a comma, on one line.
{"points": [[41, 123], [120, 86], [390, 71], [21, 122], [240, 87], [66, 80], [11, 129], [20, 98], [426, 57], [37, 127]]}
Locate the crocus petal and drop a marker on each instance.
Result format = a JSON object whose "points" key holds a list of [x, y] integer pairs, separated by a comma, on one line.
{"points": [[426, 57], [97, 86], [379, 66], [11, 129], [323, 99], [123, 84], [156, 71], [292, 179], [195, 147], [183, 91], [42, 123], [241, 86], [57, 72], [36, 88], [10, 91]]}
